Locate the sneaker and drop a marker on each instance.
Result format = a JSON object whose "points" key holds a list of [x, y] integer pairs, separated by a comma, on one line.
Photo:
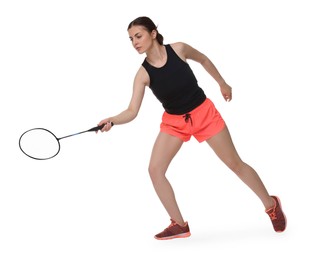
{"points": [[174, 231], [277, 216]]}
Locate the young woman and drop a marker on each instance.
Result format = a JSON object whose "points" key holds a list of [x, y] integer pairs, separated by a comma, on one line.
{"points": [[188, 112]]}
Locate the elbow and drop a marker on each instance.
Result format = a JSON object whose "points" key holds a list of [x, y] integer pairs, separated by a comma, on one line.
{"points": [[132, 114], [135, 114]]}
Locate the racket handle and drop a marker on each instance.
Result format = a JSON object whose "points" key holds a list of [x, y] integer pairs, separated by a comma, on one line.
{"points": [[98, 128]]}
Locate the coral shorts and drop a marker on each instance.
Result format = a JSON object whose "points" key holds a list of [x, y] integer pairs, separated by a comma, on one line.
{"points": [[203, 122]]}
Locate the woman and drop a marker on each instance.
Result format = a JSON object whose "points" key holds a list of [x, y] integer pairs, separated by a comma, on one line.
{"points": [[188, 112]]}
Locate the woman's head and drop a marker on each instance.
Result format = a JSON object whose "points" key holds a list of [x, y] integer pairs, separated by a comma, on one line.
{"points": [[148, 25]]}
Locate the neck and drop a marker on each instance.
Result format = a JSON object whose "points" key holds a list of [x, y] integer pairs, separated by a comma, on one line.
{"points": [[156, 55]]}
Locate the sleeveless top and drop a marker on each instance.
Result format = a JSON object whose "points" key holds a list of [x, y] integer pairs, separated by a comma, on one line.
{"points": [[174, 84]]}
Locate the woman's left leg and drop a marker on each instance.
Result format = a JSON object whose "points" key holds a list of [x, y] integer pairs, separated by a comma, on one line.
{"points": [[223, 146]]}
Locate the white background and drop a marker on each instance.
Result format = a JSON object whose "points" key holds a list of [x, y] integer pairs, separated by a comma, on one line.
{"points": [[65, 65]]}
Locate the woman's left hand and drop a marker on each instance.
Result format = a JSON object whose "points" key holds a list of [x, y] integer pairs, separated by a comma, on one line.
{"points": [[226, 91]]}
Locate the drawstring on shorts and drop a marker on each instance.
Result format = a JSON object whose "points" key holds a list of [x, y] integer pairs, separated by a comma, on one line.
{"points": [[187, 117]]}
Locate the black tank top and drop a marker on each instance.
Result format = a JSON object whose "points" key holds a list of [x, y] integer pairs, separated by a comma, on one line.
{"points": [[174, 84]]}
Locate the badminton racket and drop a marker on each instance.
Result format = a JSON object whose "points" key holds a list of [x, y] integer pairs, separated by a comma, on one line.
{"points": [[42, 144]]}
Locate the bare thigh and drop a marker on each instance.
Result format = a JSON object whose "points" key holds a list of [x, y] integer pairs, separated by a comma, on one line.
{"points": [[224, 148], [165, 148]]}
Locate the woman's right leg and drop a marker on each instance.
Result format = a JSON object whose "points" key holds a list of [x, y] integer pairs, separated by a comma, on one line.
{"points": [[165, 148]]}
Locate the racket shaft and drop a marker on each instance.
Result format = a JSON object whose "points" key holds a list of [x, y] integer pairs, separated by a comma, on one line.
{"points": [[93, 129]]}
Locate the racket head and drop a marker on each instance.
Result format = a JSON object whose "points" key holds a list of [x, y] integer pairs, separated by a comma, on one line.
{"points": [[39, 144]]}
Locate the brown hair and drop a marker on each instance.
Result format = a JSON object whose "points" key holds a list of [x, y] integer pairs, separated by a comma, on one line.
{"points": [[149, 25]]}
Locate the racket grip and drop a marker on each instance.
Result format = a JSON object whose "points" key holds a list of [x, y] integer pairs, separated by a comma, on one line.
{"points": [[98, 128]]}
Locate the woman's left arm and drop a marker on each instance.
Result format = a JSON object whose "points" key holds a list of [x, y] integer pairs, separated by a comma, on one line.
{"points": [[188, 52]]}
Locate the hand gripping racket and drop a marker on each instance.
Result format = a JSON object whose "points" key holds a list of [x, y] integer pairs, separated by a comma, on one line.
{"points": [[42, 144]]}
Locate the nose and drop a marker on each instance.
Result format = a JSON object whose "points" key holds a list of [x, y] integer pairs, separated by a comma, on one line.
{"points": [[134, 42]]}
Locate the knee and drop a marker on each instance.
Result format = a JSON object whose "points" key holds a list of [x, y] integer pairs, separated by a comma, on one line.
{"points": [[236, 166], [156, 172]]}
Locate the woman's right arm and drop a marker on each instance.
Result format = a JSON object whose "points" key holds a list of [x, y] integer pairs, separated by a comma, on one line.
{"points": [[141, 80]]}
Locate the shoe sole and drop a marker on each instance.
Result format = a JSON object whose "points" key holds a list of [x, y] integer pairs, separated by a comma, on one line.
{"points": [[183, 235]]}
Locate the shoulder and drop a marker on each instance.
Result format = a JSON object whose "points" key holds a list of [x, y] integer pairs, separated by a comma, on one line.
{"points": [[186, 51], [180, 49], [142, 77], [178, 45], [183, 50]]}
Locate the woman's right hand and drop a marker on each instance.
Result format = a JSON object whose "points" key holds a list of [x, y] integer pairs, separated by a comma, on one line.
{"points": [[106, 123]]}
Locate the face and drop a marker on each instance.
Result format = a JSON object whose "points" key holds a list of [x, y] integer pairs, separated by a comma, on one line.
{"points": [[141, 39]]}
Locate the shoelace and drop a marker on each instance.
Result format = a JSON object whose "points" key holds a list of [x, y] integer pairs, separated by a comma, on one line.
{"points": [[272, 215], [173, 223], [187, 116]]}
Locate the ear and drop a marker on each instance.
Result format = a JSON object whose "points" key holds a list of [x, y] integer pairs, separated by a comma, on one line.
{"points": [[154, 34]]}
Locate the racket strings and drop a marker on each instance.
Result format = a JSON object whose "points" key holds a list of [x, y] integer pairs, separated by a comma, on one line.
{"points": [[39, 143]]}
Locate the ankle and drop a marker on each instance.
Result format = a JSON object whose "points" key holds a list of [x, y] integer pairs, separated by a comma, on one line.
{"points": [[270, 203], [180, 222]]}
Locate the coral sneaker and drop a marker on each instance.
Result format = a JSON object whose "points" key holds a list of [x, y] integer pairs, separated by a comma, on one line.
{"points": [[277, 216], [174, 231]]}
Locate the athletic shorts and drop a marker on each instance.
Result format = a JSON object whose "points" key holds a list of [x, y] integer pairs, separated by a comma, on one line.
{"points": [[203, 122]]}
